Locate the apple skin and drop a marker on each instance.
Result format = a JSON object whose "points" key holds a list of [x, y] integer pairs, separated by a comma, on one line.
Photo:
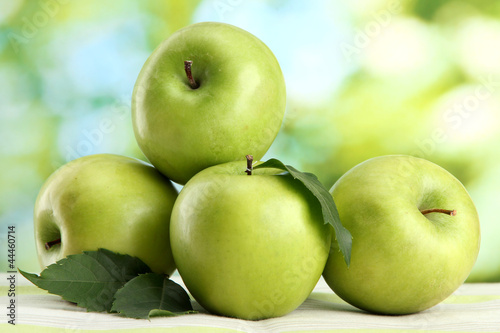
{"points": [[251, 247], [402, 261], [237, 109], [106, 201]]}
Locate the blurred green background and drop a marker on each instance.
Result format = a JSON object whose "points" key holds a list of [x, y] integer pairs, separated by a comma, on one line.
{"points": [[364, 78]]}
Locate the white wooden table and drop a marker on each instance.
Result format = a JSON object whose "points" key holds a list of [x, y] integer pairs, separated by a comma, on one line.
{"points": [[472, 308]]}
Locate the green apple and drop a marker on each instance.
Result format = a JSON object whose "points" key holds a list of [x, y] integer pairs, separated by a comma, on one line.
{"points": [[248, 246], [415, 235], [209, 94], [106, 201]]}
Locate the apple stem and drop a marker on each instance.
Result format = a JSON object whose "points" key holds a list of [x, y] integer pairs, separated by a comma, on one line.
{"points": [[437, 210], [249, 164], [48, 245], [187, 68]]}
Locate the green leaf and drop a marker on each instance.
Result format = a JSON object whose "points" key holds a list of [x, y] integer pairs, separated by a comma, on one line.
{"points": [[89, 279], [328, 207], [152, 295]]}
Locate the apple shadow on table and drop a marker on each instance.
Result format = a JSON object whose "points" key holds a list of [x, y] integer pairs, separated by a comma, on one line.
{"points": [[318, 301], [315, 302], [326, 301]]}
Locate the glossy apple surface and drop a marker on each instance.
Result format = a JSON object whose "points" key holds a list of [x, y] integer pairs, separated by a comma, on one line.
{"points": [[248, 246], [236, 109], [106, 201], [402, 261]]}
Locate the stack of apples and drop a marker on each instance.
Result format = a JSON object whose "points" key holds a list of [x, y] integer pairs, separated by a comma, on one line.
{"points": [[247, 243]]}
